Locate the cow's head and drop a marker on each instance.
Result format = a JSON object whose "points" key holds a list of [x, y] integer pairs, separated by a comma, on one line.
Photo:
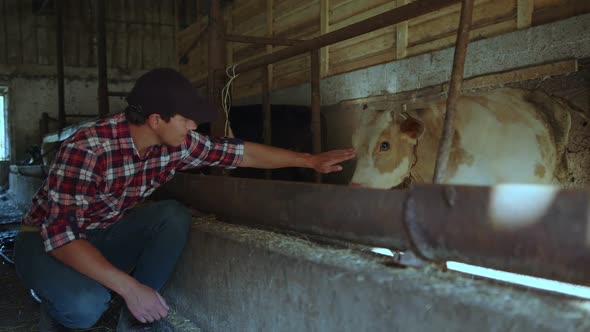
{"points": [[384, 143]]}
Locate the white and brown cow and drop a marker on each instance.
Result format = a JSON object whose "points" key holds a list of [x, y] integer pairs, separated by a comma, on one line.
{"points": [[503, 136]]}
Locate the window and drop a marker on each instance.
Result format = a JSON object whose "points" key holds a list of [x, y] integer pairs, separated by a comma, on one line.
{"points": [[4, 146]]}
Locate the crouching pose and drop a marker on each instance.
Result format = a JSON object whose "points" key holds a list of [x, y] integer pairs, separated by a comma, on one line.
{"points": [[84, 236]]}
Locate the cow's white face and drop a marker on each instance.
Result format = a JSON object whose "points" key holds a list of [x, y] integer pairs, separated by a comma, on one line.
{"points": [[384, 143]]}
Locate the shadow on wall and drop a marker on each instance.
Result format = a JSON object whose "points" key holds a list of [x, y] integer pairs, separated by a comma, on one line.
{"points": [[290, 129], [4, 170], [341, 121]]}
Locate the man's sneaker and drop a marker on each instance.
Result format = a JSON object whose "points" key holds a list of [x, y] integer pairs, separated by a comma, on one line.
{"points": [[47, 323]]}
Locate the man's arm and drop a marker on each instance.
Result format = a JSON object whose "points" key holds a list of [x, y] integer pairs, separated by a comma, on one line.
{"points": [[143, 302], [264, 156], [86, 259]]}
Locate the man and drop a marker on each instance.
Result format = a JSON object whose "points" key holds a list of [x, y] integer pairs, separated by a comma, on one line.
{"points": [[82, 236]]}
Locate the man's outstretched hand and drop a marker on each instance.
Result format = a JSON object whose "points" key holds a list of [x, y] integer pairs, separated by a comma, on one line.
{"points": [[327, 162]]}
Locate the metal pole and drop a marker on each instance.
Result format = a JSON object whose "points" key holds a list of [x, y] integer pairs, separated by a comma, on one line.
{"points": [[316, 128], [59, 43], [454, 91], [101, 45]]}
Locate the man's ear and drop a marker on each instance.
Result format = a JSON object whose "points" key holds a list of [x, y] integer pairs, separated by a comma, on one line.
{"points": [[153, 120], [411, 126]]}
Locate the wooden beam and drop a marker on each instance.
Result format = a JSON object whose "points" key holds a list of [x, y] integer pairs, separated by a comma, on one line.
{"points": [[267, 76], [200, 34], [229, 27], [216, 61], [524, 17], [269, 48], [101, 47], [401, 45], [519, 75], [324, 29], [316, 126], [266, 109], [377, 22], [177, 54], [560, 10], [261, 40]]}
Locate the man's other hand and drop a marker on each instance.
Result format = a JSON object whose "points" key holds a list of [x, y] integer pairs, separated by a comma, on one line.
{"points": [[145, 303]]}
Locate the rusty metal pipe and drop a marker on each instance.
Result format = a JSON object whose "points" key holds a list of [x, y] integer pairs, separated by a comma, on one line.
{"points": [[487, 226], [361, 215], [448, 131], [475, 225], [376, 22]]}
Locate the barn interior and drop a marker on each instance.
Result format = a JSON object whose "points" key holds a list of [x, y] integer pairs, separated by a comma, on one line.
{"points": [[294, 250]]}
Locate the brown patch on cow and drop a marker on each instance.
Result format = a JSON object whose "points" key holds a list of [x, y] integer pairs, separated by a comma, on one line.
{"points": [[458, 156], [502, 109], [555, 113], [388, 161], [539, 170], [481, 100], [412, 127]]}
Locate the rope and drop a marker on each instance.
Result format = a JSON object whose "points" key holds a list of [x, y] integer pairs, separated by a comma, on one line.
{"points": [[226, 98]]}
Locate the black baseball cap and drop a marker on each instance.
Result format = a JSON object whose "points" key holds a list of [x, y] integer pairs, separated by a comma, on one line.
{"points": [[167, 92]]}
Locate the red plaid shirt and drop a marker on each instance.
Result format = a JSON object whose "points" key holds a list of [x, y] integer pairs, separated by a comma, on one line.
{"points": [[98, 174]]}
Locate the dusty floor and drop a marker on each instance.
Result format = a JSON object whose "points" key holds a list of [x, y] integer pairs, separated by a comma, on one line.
{"points": [[18, 310]]}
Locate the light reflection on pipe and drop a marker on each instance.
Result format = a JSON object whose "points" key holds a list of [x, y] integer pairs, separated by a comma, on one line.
{"points": [[513, 278], [524, 280]]}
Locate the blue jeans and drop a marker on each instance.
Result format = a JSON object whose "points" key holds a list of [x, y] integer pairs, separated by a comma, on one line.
{"points": [[148, 240]]}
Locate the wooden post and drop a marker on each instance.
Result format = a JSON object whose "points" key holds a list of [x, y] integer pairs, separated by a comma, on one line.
{"points": [[59, 41], [216, 56], [401, 45], [524, 17], [176, 55], [266, 108], [454, 91], [316, 126], [324, 29], [101, 46]]}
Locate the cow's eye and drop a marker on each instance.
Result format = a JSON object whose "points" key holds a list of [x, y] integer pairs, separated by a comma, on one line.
{"points": [[384, 146]]}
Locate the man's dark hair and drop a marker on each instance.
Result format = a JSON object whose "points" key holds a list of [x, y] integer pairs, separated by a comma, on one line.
{"points": [[137, 118]]}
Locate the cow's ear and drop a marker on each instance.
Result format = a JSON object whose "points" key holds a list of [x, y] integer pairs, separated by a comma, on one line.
{"points": [[412, 127]]}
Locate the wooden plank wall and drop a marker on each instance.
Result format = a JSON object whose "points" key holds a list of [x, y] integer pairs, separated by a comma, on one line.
{"points": [[305, 19], [140, 33]]}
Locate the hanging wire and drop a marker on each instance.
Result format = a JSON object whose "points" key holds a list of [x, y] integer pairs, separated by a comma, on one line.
{"points": [[226, 97]]}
